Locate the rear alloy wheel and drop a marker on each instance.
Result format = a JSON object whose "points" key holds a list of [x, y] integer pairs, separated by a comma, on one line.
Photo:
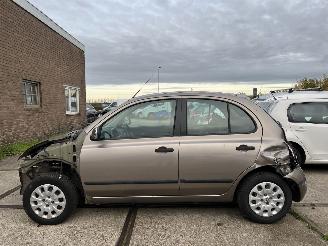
{"points": [[49, 199], [264, 197]]}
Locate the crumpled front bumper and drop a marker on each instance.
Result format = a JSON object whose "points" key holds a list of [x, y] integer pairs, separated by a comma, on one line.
{"points": [[299, 183]]}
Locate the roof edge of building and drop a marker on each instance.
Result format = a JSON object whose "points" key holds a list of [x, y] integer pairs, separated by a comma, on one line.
{"points": [[49, 22]]}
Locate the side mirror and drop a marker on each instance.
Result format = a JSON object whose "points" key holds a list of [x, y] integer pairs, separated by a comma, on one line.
{"points": [[95, 134]]}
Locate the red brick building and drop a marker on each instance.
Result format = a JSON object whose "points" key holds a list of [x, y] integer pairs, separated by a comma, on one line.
{"points": [[42, 74]]}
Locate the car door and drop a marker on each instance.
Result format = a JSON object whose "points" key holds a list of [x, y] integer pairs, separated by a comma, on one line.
{"points": [[221, 141], [309, 122], [134, 155]]}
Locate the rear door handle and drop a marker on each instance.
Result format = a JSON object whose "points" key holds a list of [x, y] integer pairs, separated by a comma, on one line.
{"points": [[245, 147], [163, 149]]}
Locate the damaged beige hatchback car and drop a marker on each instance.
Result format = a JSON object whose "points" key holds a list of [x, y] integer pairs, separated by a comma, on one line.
{"points": [[175, 147]]}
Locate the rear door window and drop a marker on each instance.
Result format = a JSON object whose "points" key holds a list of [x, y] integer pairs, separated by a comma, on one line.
{"points": [[212, 117], [207, 117], [309, 112]]}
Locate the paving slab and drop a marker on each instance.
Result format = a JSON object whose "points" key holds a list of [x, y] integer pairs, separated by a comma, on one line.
{"points": [[215, 226], [13, 199], [317, 216], [88, 226], [8, 180], [9, 163], [317, 181]]}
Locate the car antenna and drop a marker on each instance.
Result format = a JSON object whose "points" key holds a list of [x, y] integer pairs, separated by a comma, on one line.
{"points": [[141, 87], [152, 75]]}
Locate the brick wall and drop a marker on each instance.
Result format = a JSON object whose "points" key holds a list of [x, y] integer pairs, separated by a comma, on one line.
{"points": [[31, 50]]}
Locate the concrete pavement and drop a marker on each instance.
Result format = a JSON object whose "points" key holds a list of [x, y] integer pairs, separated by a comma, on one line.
{"points": [[96, 226], [166, 225], [314, 208], [215, 226]]}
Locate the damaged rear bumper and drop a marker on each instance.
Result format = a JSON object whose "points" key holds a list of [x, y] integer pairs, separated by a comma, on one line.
{"points": [[298, 183]]}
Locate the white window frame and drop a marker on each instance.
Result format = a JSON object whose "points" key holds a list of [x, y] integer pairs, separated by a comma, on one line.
{"points": [[27, 93], [69, 88]]}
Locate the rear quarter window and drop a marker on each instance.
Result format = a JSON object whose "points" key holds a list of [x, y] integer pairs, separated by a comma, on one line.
{"points": [[240, 121]]}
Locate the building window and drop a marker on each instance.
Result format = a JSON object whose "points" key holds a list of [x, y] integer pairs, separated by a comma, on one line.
{"points": [[72, 99], [31, 92]]}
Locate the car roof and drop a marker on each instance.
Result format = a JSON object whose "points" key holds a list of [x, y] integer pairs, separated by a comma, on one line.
{"points": [[294, 95], [179, 94]]}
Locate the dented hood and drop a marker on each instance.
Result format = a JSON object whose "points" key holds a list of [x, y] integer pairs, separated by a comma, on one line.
{"points": [[35, 149]]}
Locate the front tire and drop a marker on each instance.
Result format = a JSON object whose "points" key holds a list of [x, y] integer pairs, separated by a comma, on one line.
{"points": [[264, 197], [50, 199]]}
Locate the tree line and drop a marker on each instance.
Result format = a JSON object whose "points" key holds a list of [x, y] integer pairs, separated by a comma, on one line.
{"points": [[313, 83]]}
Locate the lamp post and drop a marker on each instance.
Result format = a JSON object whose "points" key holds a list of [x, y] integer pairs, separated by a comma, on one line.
{"points": [[158, 68]]}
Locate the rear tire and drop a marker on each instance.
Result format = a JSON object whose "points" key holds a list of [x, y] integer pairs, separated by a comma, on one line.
{"points": [[50, 199], [264, 197]]}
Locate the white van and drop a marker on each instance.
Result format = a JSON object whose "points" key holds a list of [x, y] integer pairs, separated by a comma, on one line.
{"points": [[304, 117]]}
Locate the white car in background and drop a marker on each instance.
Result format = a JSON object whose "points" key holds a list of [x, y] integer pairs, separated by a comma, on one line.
{"points": [[304, 117]]}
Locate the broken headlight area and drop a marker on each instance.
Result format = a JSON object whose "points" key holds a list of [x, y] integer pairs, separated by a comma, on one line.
{"points": [[282, 156]]}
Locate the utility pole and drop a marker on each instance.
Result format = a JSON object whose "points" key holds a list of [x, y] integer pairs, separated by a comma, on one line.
{"points": [[158, 68]]}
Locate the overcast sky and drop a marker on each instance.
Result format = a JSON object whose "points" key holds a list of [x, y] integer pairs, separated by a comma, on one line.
{"points": [[208, 41]]}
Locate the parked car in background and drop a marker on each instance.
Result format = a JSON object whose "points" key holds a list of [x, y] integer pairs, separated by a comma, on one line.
{"points": [[304, 117], [91, 113], [108, 108], [233, 152], [105, 104]]}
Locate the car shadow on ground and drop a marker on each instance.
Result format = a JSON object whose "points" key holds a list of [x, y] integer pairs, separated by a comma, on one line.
{"points": [[315, 167]]}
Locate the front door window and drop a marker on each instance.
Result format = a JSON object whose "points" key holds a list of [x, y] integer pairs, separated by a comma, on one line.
{"points": [[145, 120]]}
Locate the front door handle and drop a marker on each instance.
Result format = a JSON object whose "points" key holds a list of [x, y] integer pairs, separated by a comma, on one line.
{"points": [[245, 147], [163, 149]]}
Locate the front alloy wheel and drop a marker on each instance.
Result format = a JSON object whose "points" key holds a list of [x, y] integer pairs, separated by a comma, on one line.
{"points": [[49, 199]]}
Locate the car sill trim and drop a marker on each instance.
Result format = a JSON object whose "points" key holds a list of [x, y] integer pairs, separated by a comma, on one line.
{"points": [[197, 181], [120, 182], [207, 181], [127, 197]]}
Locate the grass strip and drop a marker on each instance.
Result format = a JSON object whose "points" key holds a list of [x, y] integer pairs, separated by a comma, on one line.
{"points": [[7, 150]]}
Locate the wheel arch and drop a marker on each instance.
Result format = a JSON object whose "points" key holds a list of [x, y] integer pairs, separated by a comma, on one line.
{"points": [[57, 166], [250, 173], [292, 185]]}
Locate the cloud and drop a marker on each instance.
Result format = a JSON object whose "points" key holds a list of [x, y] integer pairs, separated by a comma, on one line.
{"points": [[208, 41]]}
